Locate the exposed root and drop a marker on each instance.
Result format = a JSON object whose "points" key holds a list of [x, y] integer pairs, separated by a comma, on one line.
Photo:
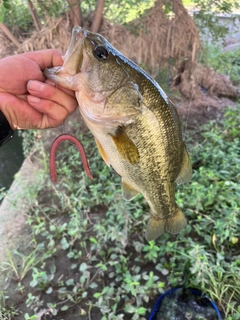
{"points": [[204, 86]]}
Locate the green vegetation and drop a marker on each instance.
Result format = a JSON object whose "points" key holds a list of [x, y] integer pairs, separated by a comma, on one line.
{"points": [[88, 248], [16, 12], [130, 10], [206, 18], [224, 62]]}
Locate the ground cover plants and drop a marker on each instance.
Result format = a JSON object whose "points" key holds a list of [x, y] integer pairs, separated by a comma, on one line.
{"points": [[88, 258], [224, 62]]}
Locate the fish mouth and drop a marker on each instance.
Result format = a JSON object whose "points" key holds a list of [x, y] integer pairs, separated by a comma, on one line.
{"points": [[73, 60]]}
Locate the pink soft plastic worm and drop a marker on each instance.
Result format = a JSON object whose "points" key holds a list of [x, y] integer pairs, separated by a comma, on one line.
{"points": [[54, 146]]}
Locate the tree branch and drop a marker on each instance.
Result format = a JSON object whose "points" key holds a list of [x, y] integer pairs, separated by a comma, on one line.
{"points": [[98, 16], [75, 12], [34, 15], [9, 34]]}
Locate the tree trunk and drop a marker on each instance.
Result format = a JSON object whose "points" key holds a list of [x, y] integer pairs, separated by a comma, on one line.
{"points": [[34, 15], [98, 16], [75, 12], [9, 34], [43, 8]]}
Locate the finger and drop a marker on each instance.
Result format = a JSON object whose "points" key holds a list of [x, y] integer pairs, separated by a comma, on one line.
{"points": [[49, 92], [19, 113], [46, 58], [68, 91], [53, 114]]}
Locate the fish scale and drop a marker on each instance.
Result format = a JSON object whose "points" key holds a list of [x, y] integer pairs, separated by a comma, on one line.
{"points": [[135, 125]]}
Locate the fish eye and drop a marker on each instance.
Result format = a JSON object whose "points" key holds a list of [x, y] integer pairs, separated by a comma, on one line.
{"points": [[100, 53]]}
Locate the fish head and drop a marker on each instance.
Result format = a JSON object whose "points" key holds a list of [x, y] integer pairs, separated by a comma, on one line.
{"points": [[90, 61], [99, 75]]}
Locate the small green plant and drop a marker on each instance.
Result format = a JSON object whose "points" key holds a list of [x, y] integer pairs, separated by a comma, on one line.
{"points": [[6, 312], [29, 139], [26, 263], [152, 251], [41, 279]]}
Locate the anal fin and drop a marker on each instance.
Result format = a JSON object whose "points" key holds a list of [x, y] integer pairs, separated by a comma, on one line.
{"points": [[185, 173], [128, 191]]}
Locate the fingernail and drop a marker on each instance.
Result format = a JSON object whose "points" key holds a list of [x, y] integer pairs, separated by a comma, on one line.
{"points": [[33, 100], [36, 85]]}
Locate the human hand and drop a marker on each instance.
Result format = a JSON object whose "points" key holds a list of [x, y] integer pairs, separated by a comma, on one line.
{"points": [[27, 99]]}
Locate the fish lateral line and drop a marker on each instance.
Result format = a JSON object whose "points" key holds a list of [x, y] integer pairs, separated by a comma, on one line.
{"points": [[74, 140]]}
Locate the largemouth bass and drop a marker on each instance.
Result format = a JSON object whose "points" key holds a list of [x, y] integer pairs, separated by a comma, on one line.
{"points": [[135, 125]]}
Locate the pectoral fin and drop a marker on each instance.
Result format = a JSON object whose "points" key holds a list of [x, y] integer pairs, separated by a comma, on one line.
{"points": [[185, 173], [102, 152], [125, 147], [128, 191]]}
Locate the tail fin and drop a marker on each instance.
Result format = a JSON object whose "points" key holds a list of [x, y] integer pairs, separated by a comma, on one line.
{"points": [[174, 224]]}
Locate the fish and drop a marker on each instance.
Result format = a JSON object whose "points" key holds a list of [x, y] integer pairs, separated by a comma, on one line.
{"points": [[135, 125]]}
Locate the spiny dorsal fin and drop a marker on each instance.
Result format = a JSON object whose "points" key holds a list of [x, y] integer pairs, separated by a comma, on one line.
{"points": [[125, 147], [128, 191], [185, 173]]}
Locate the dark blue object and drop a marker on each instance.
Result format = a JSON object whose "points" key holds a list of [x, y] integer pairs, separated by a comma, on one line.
{"points": [[194, 291]]}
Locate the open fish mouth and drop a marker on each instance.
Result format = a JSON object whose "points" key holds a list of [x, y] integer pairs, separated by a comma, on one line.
{"points": [[74, 56], [73, 59]]}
